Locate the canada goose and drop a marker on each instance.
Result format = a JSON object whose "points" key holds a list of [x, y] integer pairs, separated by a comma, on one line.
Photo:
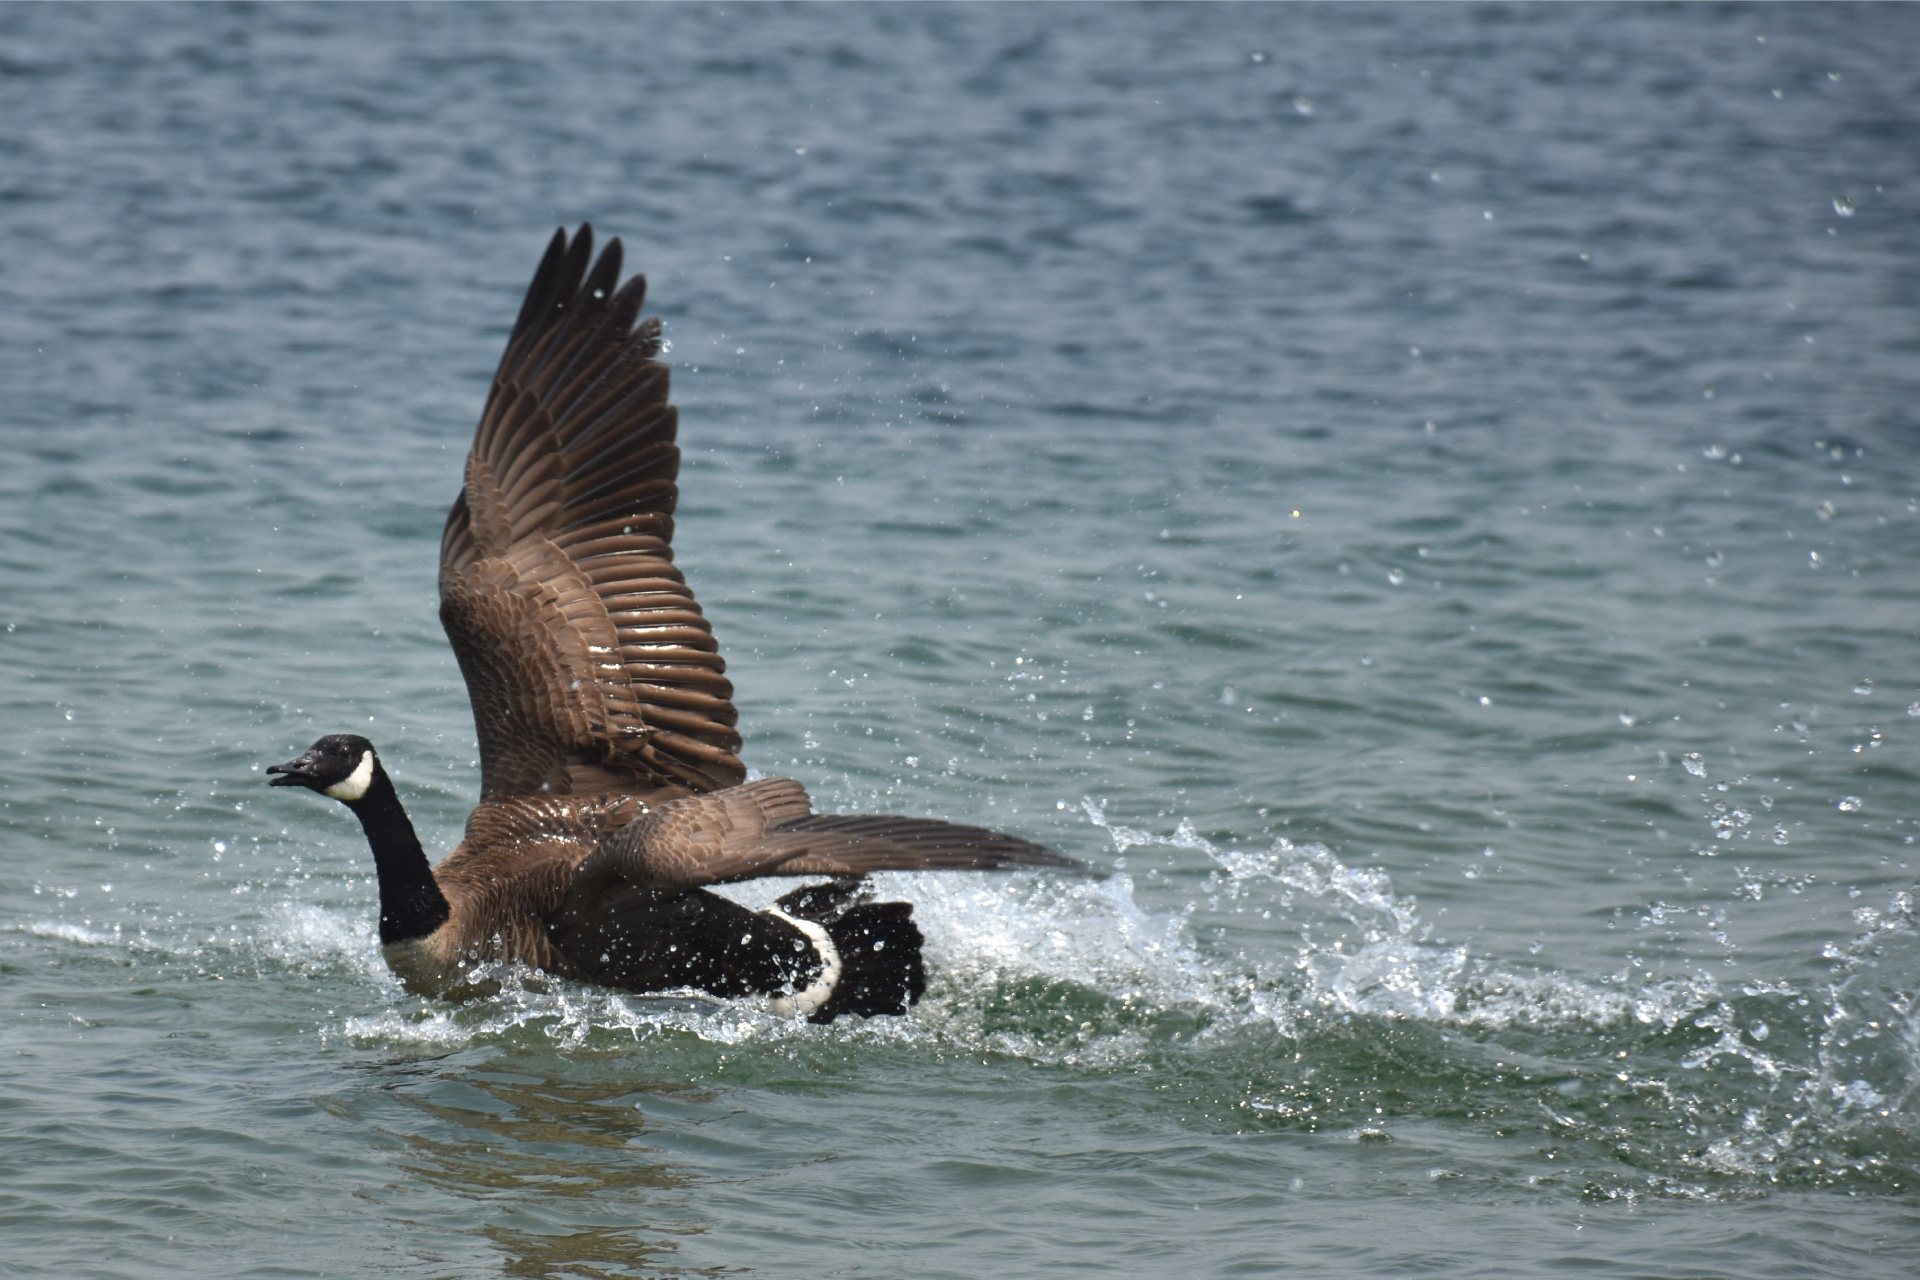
{"points": [[610, 791]]}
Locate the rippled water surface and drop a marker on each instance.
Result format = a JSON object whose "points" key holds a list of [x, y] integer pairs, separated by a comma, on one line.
{"points": [[1426, 496]]}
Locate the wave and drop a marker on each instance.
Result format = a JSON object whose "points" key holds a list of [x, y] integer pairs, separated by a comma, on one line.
{"points": [[1717, 1087]]}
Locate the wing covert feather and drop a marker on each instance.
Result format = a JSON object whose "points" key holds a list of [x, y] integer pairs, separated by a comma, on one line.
{"points": [[768, 828]]}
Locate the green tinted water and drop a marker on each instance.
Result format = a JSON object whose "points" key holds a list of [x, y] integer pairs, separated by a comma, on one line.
{"points": [[1512, 849]]}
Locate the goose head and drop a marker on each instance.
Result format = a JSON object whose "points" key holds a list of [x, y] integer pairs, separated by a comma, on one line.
{"points": [[340, 765]]}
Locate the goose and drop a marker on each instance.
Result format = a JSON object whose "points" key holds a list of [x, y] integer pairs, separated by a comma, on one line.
{"points": [[612, 797]]}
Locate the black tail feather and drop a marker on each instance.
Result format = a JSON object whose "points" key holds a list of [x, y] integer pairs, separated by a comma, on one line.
{"points": [[881, 969], [881, 972], [827, 901]]}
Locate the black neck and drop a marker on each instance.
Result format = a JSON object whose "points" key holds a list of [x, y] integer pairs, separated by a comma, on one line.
{"points": [[411, 904]]}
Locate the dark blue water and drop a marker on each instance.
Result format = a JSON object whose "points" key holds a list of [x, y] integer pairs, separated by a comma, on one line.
{"points": [[1426, 495]]}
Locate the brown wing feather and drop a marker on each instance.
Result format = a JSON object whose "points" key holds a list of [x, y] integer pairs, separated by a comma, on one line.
{"points": [[589, 664], [768, 828]]}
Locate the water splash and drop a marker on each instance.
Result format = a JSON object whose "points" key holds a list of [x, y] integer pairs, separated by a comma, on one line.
{"points": [[1337, 1008]]}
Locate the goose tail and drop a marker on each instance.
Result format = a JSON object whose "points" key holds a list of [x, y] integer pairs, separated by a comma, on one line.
{"points": [[877, 944]]}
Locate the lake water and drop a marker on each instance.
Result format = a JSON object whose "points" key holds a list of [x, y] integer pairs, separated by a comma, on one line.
{"points": [[1426, 496]]}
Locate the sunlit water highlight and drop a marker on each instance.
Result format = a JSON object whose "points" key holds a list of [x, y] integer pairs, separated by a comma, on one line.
{"points": [[1424, 499]]}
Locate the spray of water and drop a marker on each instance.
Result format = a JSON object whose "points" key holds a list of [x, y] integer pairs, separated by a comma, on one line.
{"points": [[1716, 1089]]}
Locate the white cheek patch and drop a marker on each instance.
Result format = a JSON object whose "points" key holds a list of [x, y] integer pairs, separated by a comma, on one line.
{"points": [[804, 1003], [355, 784]]}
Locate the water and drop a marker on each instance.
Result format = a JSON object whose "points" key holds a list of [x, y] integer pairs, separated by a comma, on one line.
{"points": [[1426, 496]]}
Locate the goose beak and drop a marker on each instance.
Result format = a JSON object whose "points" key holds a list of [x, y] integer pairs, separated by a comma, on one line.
{"points": [[295, 773]]}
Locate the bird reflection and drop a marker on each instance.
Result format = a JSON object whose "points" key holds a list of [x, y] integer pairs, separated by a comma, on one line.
{"points": [[557, 1147]]}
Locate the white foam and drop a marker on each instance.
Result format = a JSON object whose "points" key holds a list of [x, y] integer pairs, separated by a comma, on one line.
{"points": [[1343, 944], [317, 938], [985, 932], [62, 931], [568, 1015], [1388, 969]]}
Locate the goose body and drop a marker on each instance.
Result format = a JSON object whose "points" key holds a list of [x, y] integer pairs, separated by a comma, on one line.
{"points": [[611, 792]]}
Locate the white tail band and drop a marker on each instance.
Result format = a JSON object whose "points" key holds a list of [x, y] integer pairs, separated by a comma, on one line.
{"points": [[805, 1003]]}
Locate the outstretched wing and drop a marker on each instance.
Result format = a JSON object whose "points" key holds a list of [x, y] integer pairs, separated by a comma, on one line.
{"points": [[589, 665], [768, 828]]}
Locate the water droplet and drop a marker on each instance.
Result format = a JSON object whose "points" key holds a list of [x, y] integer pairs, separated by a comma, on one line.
{"points": [[1850, 804], [1824, 510], [1227, 698], [1713, 451], [1258, 55], [1759, 1030], [1303, 106], [1843, 206], [1715, 559], [1626, 720], [1396, 576], [1913, 708], [1813, 559], [1694, 764], [1864, 688], [1485, 701]]}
